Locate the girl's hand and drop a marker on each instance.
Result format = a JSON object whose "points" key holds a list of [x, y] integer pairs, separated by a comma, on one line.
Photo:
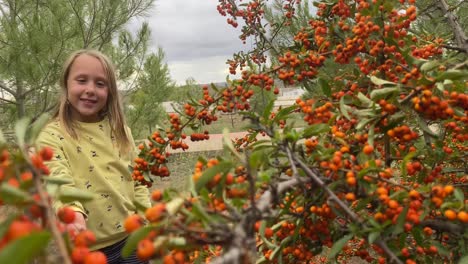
{"points": [[78, 225]]}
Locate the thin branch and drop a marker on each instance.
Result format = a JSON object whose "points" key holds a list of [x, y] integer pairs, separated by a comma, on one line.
{"points": [[80, 22], [50, 216], [454, 48], [8, 101], [237, 251], [5, 87], [460, 37], [443, 226], [354, 217]]}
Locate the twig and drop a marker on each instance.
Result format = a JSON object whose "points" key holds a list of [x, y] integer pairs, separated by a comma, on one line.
{"points": [[237, 251], [354, 217], [51, 218], [460, 37], [443, 226]]}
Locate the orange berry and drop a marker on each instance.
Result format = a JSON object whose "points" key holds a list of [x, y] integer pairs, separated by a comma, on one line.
{"points": [[351, 181], [84, 239], [155, 213], [450, 214], [79, 254], [463, 216], [156, 195], [169, 259], [46, 153], [96, 257], [368, 149], [132, 223], [19, 229], [448, 189], [350, 196], [145, 249], [393, 204], [428, 231], [66, 215], [268, 232], [413, 194], [433, 249]]}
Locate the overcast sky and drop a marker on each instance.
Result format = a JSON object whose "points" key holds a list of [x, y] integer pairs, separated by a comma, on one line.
{"points": [[196, 39]]}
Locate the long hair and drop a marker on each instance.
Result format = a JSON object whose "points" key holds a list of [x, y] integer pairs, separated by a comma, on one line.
{"points": [[113, 108]]}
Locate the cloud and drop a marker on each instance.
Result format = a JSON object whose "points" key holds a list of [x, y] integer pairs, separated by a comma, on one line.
{"points": [[203, 70], [195, 37]]}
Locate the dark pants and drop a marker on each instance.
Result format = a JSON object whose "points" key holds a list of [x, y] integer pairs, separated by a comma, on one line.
{"points": [[113, 254]]}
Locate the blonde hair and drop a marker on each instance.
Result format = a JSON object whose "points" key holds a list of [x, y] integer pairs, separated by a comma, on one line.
{"points": [[113, 108]]}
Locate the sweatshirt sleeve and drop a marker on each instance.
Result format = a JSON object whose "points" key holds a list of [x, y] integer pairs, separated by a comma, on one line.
{"points": [[59, 167], [142, 194]]}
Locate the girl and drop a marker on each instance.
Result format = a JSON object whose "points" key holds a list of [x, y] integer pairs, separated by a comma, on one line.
{"points": [[93, 149]]}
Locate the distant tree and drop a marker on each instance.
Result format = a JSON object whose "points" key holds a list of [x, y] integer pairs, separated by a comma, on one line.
{"points": [[260, 100], [36, 37], [186, 91], [154, 86]]}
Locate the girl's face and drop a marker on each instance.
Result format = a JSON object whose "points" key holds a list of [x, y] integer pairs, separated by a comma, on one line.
{"points": [[87, 88]]}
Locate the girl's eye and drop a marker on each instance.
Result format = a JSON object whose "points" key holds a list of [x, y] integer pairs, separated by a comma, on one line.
{"points": [[101, 84], [81, 80]]}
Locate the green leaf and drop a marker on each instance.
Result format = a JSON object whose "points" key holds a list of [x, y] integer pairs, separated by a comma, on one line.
{"points": [[257, 158], [72, 194], [213, 86], [326, 89], [2, 137], [378, 94], [37, 127], [459, 195], [400, 221], [133, 240], [315, 129], [378, 81], [208, 175], [430, 65], [174, 205], [227, 143], [56, 180], [344, 108], [373, 236], [200, 212], [5, 225], [396, 118], [278, 249], [262, 260], [10, 194], [371, 135], [268, 108], [452, 75], [339, 245], [24, 249], [463, 260], [366, 102], [178, 242], [425, 128], [20, 130], [284, 112], [417, 234], [365, 113], [362, 123]]}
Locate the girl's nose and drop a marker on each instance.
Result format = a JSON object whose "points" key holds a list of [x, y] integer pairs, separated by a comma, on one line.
{"points": [[90, 89]]}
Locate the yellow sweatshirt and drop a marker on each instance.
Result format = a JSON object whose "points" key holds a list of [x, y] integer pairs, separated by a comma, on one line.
{"points": [[94, 163]]}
